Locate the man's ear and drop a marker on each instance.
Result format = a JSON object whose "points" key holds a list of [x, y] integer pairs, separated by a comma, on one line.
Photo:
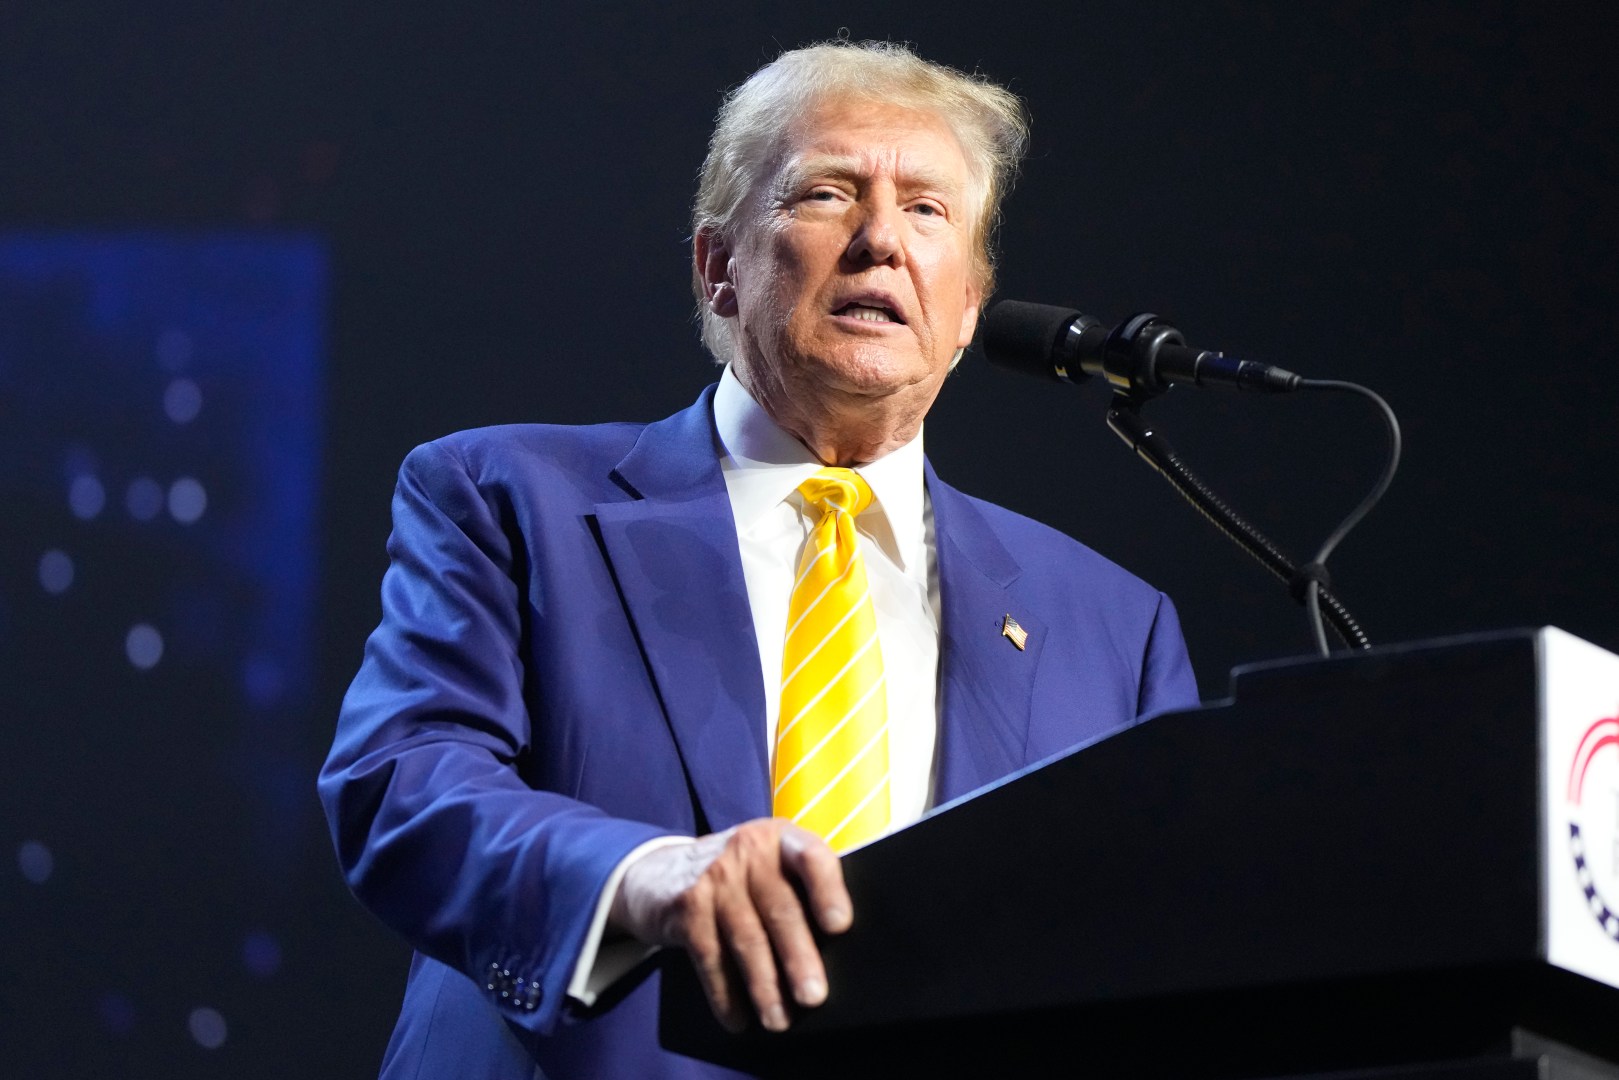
{"points": [[711, 257], [969, 315]]}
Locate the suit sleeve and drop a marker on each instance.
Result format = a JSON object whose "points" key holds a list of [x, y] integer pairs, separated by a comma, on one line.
{"points": [[436, 830], [1167, 680]]}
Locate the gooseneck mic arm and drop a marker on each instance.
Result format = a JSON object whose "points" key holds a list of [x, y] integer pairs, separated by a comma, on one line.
{"points": [[1141, 358], [1124, 418]]}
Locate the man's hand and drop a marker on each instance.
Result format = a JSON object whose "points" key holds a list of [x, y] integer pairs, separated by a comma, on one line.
{"points": [[729, 899]]}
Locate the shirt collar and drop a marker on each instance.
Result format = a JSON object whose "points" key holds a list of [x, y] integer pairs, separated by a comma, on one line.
{"points": [[764, 465]]}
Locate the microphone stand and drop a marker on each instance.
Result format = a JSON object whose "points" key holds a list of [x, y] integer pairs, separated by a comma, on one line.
{"points": [[1141, 358], [1308, 583]]}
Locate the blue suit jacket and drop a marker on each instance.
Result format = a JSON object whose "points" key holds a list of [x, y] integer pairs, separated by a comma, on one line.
{"points": [[566, 667]]}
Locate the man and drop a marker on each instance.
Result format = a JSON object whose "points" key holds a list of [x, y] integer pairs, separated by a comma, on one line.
{"points": [[592, 703]]}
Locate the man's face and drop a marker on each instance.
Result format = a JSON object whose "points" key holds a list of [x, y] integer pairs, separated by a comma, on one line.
{"points": [[853, 263]]}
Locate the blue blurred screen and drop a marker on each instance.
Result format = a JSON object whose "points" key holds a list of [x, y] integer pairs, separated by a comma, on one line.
{"points": [[160, 422]]}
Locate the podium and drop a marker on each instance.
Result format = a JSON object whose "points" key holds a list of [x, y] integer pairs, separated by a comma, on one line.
{"points": [[1397, 863]]}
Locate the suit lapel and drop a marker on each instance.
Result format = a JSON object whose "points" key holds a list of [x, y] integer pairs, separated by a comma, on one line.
{"points": [[673, 552], [986, 682]]}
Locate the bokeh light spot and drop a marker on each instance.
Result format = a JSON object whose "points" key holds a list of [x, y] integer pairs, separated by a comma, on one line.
{"points": [[144, 498], [36, 862], [117, 1013], [86, 496], [207, 1027], [182, 401], [261, 954], [55, 572], [187, 500], [143, 645], [262, 680]]}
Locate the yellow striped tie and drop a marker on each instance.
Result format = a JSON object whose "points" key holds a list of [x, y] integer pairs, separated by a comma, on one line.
{"points": [[831, 771]]}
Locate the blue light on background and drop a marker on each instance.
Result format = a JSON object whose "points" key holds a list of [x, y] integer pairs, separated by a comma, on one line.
{"points": [[160, 423]]}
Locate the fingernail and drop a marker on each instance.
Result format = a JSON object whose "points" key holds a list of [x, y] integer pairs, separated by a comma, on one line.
{"points": [[835, 916], [811, 992], [774, 1018]]}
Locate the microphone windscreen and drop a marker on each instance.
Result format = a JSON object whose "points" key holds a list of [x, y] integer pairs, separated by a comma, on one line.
{"points": [[1025, 336]]}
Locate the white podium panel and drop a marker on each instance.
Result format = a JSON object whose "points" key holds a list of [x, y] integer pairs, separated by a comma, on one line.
{"points": [[1580, 804]]}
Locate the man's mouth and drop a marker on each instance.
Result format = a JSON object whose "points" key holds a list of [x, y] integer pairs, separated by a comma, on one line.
{"points": [[869, 313]]}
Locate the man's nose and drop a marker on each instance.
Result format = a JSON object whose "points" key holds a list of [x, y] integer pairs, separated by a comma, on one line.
{"points": [[877, 238]]}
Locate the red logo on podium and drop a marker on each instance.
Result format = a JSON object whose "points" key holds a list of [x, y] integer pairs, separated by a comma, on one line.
{"points": [[1593, 831]]}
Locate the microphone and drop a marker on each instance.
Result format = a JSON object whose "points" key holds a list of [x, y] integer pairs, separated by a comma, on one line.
{"points": [[1142, 356]]}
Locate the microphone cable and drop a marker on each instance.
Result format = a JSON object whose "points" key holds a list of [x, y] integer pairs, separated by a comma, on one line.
{"points": [[1309, 584]]}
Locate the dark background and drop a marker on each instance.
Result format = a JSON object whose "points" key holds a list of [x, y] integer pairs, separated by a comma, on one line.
{"points": [[1419, 197]]}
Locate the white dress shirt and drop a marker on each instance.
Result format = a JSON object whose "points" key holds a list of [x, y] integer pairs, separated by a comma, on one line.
{"points": [[763, 466]]}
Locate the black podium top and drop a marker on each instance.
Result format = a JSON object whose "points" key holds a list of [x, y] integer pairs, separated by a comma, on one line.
{"points": [[1337, 868]]}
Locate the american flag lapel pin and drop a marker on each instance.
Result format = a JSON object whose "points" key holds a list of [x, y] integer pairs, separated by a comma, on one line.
{"points": [[1014, 633]]}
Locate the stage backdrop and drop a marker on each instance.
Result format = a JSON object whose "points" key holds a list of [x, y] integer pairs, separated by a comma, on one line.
{"points": [[250, 256]]}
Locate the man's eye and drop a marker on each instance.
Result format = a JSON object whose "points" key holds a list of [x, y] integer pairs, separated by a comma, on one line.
{"points": [[926, 209]]}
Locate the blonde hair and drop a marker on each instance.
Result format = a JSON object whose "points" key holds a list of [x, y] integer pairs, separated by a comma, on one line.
{"points": [[987, 120]]}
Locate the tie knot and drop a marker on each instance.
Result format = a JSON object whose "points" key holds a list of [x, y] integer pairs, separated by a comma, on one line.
{"points": [[837, 490]]}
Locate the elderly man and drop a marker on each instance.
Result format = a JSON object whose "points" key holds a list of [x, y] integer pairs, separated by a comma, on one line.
{"points": [[638, 685]]}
